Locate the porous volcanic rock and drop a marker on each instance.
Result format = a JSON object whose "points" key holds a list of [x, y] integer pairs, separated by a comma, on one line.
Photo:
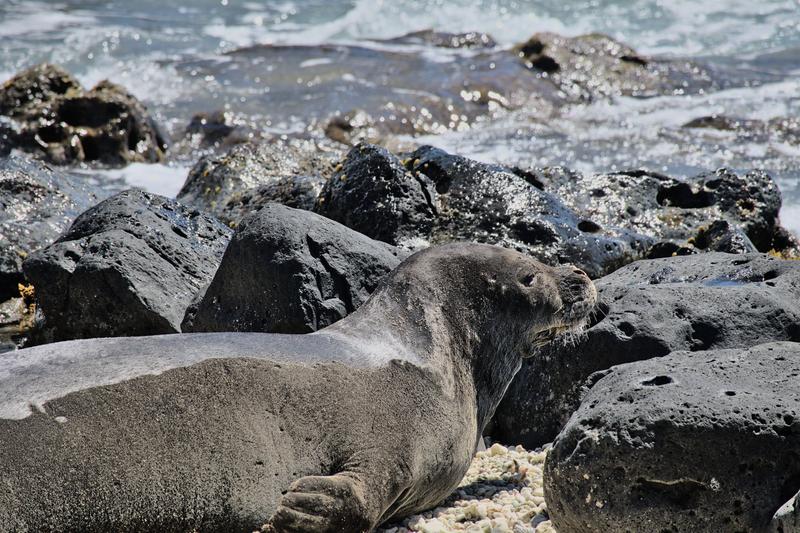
{"points": [[695, 441], [677, 211], [291, 271], [223, 185], [374, 194], [595, 65], [128, 266], [649, 309], [37, 203], [299, 192], [57, 118], [436, 197]]}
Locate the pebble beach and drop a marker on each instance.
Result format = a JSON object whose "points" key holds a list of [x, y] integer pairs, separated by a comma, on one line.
{"points": [[501, 492]]}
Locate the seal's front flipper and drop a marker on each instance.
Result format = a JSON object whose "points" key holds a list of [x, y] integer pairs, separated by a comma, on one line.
{"points": [[322, 504]]}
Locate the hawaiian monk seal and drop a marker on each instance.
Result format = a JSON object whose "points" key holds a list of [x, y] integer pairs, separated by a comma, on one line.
{"points": [[370, 419]]}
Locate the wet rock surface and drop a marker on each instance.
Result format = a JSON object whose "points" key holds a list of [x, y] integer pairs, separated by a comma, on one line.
{"points": [[217, 129], [255, 173], [434, 197], [56, 118], [595, 65], [299, 192], [128, 266], [37, 203], [402, 90], [16, 319], [596, 222], [695, 441], [374, 194], [471, 39], [397, 89], [291, 271], [778, 129], [678, 211], [649, 309]]}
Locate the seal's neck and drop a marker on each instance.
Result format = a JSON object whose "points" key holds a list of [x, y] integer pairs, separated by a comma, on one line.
{"points": [[455, 331]]}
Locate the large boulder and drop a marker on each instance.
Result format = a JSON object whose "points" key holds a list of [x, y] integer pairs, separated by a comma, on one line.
{"points": [[677, 211], [60, 120], [128, 266], [37, 204], [291, 271], [374, 194], [649, 309], [226, 185], [695, 441]]}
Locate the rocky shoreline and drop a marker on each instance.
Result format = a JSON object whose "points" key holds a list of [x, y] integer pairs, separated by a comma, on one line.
{"points": [[659, 412]]}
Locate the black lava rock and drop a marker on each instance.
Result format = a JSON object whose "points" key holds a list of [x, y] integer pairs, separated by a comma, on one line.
{"points": [[37, 203], [225, 185], [291, 271], [696, 441], [490, 203], [649, 309], [374, 194], [128, 266], [298, 192], [58, 119], [675, 211], [593, 66], [435, 197]]}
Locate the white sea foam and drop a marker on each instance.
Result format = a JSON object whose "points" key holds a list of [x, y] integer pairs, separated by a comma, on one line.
{"points": [[145, 79], [39, 18], [155, 178], [790, 218]]}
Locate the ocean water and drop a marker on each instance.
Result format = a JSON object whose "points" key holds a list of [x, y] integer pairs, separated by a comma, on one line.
{"points": [[143, 43]]}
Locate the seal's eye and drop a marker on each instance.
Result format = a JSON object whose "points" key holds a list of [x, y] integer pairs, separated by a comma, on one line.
{"points": [[529, 280]]}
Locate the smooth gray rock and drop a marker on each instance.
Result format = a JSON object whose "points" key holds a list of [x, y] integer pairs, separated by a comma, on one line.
{"points": [[37, 203], [695, 441], [128, 266], [291, 271], [649, 309]]}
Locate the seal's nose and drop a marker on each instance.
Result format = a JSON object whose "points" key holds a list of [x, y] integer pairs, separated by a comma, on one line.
{"points": [[577, 291]]}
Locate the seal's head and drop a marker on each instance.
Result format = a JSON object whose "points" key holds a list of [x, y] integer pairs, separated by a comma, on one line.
{"points": [[533, 302], [483, 300]]}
